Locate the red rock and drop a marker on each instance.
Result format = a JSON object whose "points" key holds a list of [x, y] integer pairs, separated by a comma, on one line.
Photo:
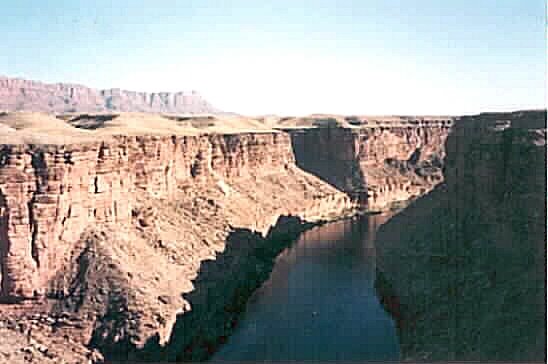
{"points": [[377, 164], [50, 194]]}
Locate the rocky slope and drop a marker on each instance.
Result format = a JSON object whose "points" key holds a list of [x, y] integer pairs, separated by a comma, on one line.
{"points": [[463, 268], [112, 232], [380, 162], [25, 95]]}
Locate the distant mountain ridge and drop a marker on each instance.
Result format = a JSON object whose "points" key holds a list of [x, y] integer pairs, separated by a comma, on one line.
{"points": [[17, 94]]}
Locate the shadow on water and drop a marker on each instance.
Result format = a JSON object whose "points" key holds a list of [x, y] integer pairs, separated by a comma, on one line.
{"points": [[221, 291], [319, 303]]}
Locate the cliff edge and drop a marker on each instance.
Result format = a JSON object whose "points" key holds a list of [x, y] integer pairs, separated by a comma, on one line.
{"points": [[102, 234], [463, 267]]}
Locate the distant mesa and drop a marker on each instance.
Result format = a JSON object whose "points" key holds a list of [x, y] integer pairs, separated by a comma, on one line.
{"points": [[18, 94]]}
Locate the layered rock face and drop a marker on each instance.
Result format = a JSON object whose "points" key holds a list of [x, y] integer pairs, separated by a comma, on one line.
{"points": [[19, 94], [112, 236], [132, 237], [463, 268], [376, 164], [50, 194]]}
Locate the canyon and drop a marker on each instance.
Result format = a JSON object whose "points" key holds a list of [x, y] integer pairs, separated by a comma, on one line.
{"points": [[129, 236], [153, 207], [377, 163], [51, 193]]}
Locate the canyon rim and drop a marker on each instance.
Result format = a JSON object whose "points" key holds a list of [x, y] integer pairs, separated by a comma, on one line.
{"points": [[118, 227]]}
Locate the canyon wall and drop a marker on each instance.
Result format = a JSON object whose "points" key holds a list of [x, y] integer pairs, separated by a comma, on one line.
{"points": [[151, 241], [463, 268], [376, 164], [49, 194], [26, 95]]}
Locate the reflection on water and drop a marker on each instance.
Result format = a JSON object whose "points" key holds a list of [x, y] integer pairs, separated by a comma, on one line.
{"points": [[319, 302]]}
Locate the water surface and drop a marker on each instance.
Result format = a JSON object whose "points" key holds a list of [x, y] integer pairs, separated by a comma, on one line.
{"points": [[319, 302]]}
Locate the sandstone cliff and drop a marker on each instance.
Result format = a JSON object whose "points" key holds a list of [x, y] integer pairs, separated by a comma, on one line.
{"points": [[111, 232], [50, 194], [376, 163], [26, 95], [463, 268]]}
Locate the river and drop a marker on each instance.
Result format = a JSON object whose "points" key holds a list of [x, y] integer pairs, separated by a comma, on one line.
{"points": [[319, 302]]}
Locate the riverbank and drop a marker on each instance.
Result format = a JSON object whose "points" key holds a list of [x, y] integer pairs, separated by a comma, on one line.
{"points": [[221, 292], [319, 303]]}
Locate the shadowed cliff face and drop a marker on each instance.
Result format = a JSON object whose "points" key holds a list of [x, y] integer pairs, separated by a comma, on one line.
{"points": [[330, 153], [376, 165], [221, 290], [463, 268]]}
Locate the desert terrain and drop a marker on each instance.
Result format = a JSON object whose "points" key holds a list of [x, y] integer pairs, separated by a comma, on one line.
{"points": [[140, 235]]}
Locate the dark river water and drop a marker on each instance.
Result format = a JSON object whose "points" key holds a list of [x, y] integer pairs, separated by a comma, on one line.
{"points": [[319, 302]]}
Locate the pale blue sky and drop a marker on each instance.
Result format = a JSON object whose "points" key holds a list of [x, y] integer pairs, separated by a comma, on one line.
{"points": [[291, 57]]}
